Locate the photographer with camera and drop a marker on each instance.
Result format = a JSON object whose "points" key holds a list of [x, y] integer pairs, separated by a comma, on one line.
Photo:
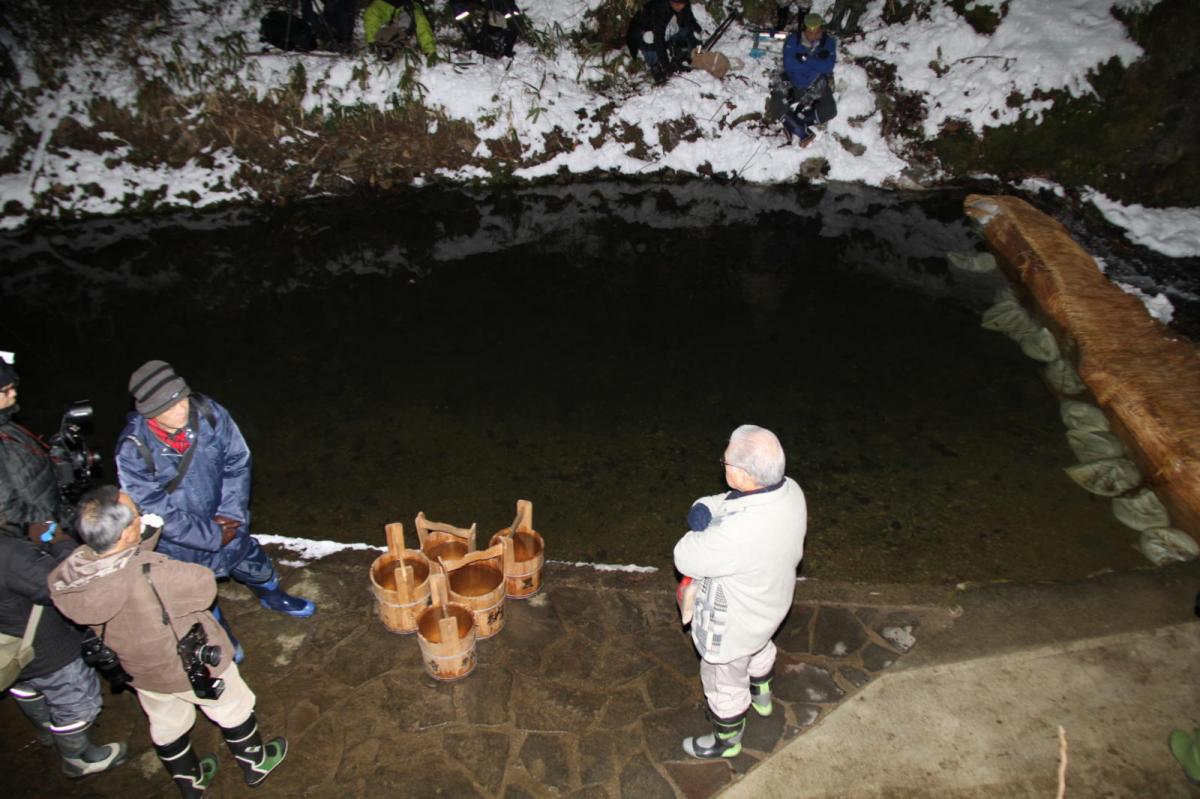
{"points": [[56, 690], [39, 482], [664, 32], [29, 497], [151, 611], [809, 56]]}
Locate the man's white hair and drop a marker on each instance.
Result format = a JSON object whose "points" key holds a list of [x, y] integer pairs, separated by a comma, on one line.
{"points": [[758, 452]]}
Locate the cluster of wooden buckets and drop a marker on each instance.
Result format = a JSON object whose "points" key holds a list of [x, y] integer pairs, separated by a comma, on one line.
{"points": [[451, 594]]}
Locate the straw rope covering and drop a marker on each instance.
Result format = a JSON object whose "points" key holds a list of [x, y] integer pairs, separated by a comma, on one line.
{"points": [[1147, 383]]}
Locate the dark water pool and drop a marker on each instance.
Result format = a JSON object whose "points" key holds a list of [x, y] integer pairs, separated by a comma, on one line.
{"points": [[588, 348]]}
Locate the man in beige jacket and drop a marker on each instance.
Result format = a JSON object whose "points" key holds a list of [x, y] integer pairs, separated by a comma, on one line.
{"points": [[142, 604]]}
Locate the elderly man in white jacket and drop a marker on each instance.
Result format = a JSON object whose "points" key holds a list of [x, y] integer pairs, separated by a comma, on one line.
{"points": [[743, 549]]}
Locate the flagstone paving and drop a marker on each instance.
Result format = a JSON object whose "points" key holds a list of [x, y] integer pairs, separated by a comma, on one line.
{"points": [[587, 691]]}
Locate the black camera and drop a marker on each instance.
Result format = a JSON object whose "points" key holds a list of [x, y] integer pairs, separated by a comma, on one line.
{"points": [[100, 657], [73, 459], [197, 653]]}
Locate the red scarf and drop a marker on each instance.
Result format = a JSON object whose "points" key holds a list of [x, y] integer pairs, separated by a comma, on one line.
{"points": [[177, 441]]}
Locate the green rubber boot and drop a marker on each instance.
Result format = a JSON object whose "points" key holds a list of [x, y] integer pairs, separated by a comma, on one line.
{"points": [[724, 741], [1186, 749], [190, 773], [256, 758], [760, 695]]}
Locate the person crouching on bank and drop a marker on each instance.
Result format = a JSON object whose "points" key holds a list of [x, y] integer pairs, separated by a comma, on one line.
{"points": [[142, 605], [743, 547]]}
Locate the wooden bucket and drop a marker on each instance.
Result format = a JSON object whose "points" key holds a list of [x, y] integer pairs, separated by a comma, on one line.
{"points": [[446, 633], [477, 581], [523, 568], [400, 581], [440, 541]]}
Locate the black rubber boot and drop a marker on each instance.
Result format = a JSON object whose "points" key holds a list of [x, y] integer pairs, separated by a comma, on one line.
{"points": [[256, 758], [760, 695], [37, 711], [190, 773], [724, 741], [80, 757]]}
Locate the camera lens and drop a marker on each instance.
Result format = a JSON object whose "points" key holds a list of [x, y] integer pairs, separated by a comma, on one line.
{"points": [[210, 655]]}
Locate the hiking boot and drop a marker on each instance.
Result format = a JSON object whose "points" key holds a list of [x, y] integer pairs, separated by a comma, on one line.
{"points": [[273, 597], [760, 695], [190, 773], [724, 741], [80, 757], [256, 758], [807, 140], [1186, 749]]}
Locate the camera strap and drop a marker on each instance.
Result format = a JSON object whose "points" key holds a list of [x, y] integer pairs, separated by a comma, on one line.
{"points": [[166, 619]]}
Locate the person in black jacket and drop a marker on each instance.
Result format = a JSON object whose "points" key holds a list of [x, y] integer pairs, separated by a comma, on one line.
{"points": [[57, 691], [28, 487], [665, 32]]}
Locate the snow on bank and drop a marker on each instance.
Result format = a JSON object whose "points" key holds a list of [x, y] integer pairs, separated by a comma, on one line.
{"points": [[308, 550], [534, 98], [1036, 47], [1171, 231]]}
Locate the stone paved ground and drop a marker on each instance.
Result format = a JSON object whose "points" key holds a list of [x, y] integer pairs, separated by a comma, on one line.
{"points": [[586, 692]]}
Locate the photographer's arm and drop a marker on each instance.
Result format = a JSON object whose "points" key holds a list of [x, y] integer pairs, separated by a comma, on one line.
{"points": [[31, 566]]}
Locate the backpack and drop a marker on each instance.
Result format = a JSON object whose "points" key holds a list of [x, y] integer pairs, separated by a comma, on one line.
{"points": [[287, 32], [17, 653]]}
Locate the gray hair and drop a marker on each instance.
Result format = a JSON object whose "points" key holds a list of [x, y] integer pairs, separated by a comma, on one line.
{"points": [[757, 452], [102, 517]]}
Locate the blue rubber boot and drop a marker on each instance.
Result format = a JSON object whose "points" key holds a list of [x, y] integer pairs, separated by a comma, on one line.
{"points": [[273, 597], [239, 654]]}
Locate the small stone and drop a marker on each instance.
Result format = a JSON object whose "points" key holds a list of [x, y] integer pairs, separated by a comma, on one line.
{"points": [[642, 780]]}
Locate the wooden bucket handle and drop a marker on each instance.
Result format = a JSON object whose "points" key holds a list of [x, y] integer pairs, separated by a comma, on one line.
{"points": [[524, 518], [510, 556], [438, 591], [425, 527], [483, 554], [395, 539]]}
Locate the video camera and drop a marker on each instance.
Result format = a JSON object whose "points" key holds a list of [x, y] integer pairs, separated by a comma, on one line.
{"points": [[73, 459]]}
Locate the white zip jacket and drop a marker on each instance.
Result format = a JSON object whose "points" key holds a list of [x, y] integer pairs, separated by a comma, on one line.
{"points": [[746, 563]]}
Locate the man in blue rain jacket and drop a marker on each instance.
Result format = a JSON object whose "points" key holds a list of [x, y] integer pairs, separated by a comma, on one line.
{"points": [[809, 56], [182, 456]]}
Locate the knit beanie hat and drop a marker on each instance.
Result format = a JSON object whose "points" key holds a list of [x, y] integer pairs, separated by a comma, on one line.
{"points": [[155, 387], [8, 375]]}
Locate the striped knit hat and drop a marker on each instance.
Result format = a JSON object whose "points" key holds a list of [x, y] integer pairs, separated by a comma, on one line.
{"points": [[155, 387]]}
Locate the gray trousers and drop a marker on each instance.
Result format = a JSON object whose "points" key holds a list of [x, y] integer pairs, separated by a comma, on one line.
{"points": [[72, 694]]}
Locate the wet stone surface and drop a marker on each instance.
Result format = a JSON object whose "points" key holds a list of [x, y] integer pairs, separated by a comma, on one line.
{"points": [[587, 691]]}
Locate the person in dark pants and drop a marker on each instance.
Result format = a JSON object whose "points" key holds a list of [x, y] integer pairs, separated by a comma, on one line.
{"points": [[182, 457], [809, 56], [56, 691], [665, 33], [334, 26]]}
